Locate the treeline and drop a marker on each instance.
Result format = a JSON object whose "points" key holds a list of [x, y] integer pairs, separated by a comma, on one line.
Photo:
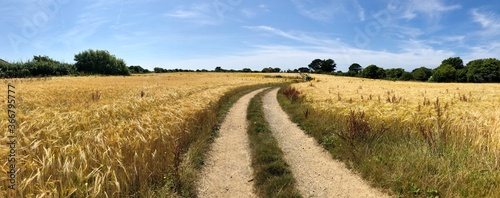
{"points": [[450, 70], [37, 67], [101, 62], [88, 62], [220, 69]]}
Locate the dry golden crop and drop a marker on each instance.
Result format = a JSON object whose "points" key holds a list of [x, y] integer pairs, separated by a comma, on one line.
{"points": [[468, 113], [106, 136]]}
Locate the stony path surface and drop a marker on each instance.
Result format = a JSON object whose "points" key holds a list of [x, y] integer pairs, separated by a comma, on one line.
{"points": [[317, 174], [228, 171]]}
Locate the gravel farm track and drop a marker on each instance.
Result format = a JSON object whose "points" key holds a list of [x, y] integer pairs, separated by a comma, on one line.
{"points": [[228, 171]]}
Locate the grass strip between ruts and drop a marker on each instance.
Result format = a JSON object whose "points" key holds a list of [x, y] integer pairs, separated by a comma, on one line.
{"points": [[272, 175]]}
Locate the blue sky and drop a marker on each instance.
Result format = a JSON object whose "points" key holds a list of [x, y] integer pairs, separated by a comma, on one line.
{"points": [[236, 34]]}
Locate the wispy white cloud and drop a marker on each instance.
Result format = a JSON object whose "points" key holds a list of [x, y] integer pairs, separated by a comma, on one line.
{"points": [[248, 13], [489, 50], [296, 36], [265, 7], [251, 12], [199, 14], [93, 18], [323, 11], [361, 10], [453, 40], [402, 32], [489, 21], [430, 8]]}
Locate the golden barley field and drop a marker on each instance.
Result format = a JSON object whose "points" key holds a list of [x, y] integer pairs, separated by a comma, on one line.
{"points": [[105, 136], [468, 113]]}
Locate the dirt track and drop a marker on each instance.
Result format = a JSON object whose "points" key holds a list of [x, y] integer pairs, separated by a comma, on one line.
{"points": [[228, 171], [317, 174]]}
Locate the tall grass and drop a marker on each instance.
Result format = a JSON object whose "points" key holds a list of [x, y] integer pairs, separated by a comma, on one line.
{"points": [[422, 140], [114, 136]]}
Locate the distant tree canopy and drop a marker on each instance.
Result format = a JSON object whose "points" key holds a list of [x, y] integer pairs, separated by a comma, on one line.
{"points": [[354, 69], [136, 69], [422, 74], [455, 62], [159, 70], [100, 62], [450, 70], [323, 66], [246, 70], [477, 71], [271, 70], [38, 66], [218, 69], [444, 73], [394, 74], [483, 70], [374, 72], [304, 70], [407, 76]]}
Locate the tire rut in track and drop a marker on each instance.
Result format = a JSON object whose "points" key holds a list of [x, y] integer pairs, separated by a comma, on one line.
{"points": [[228, 171], [317, 174]]}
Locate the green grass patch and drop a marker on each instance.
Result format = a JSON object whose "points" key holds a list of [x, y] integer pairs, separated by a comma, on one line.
{"points": [[393, 158], [272, 175]]}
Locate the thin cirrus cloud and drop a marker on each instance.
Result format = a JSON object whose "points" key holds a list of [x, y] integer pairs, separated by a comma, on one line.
{"points": [[430, 8], [198, 14], [361, 10], [324, 11], [298, 36], [489, 21]]}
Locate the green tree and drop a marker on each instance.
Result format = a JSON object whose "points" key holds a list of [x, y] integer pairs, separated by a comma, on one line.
{"points": [[444, 73], [483, 70], [136, 69], [380, 73], [462, 74], [159, 70], [246, 70], [315, 65], [328, 66], [455, 62], [394, 74], [422, 74], [44, 59], [267, 70], [407, 76], [320, 66], [100, 62], [304, 70], [374, 72], [354, 69]]}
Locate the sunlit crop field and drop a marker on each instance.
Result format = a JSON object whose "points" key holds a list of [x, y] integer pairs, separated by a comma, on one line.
{"points": [[467, 113], [106, 136]]}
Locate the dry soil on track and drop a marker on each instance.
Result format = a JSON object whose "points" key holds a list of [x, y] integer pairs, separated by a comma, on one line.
{"points": [[228, 171], [317, 174]]}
